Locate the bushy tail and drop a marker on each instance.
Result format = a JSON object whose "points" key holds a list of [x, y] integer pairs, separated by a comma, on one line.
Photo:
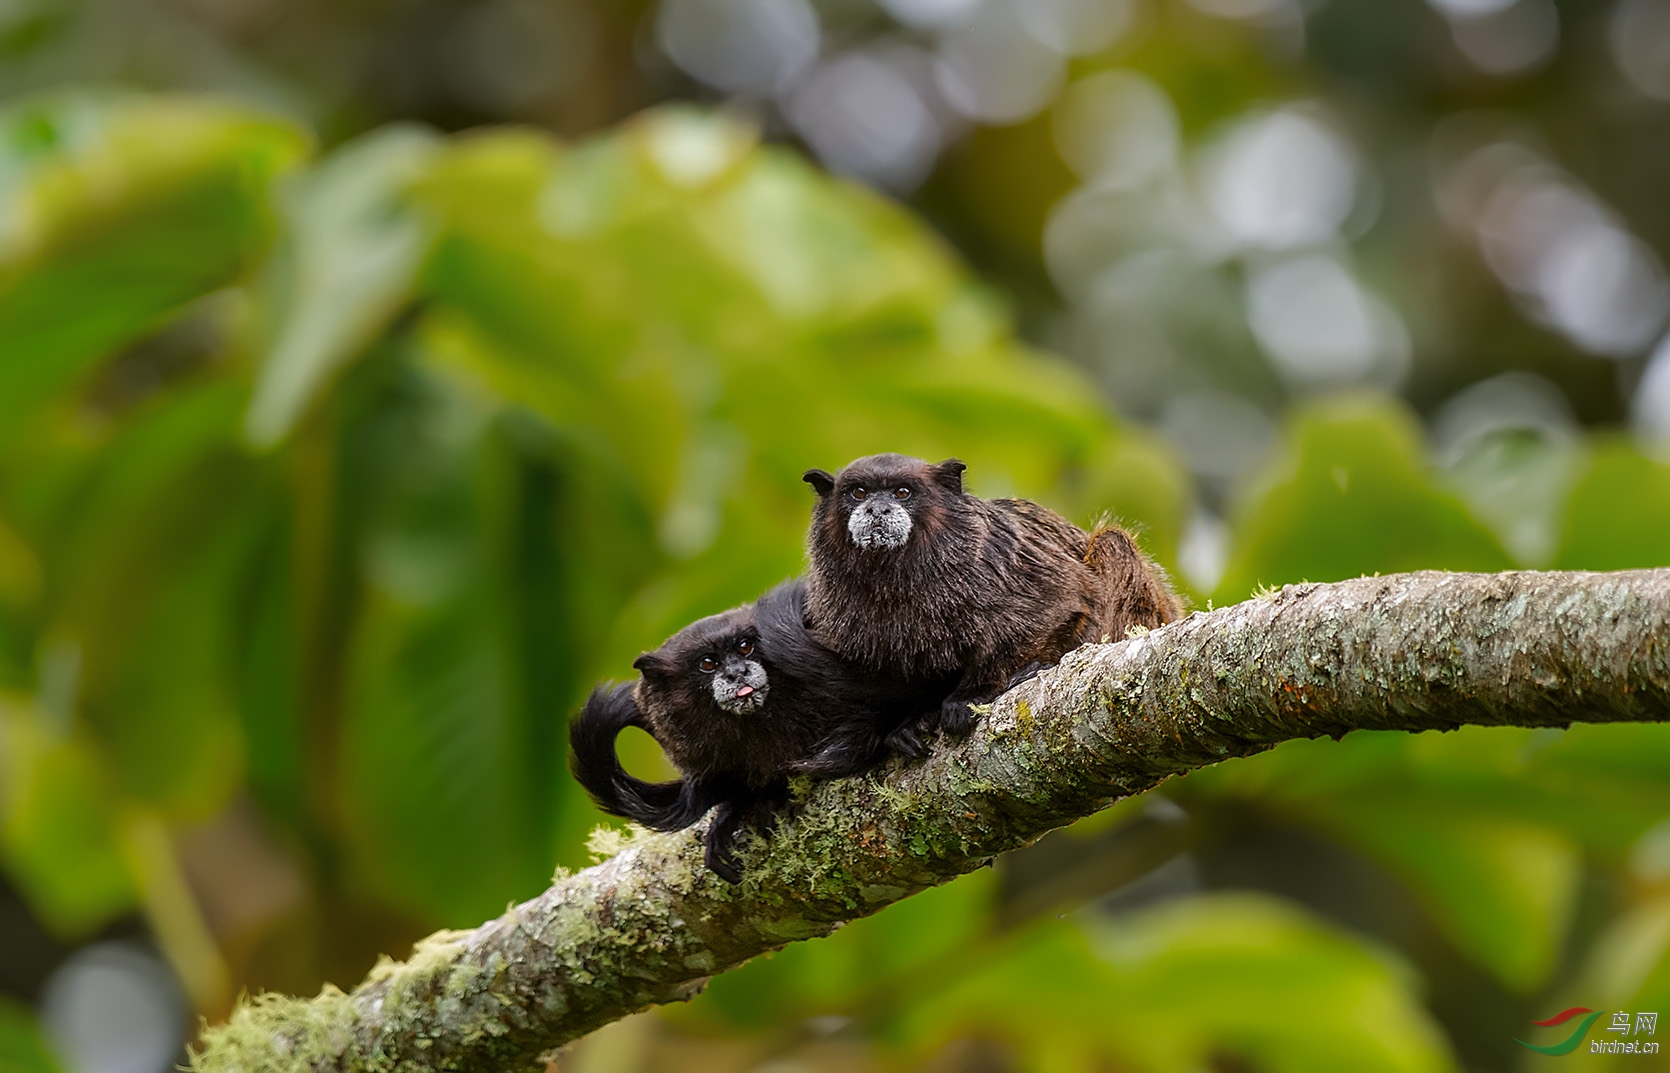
{"points": [[1136, 590], [661, 806]]}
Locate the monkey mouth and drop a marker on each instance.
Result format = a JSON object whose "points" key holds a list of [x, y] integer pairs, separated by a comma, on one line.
{"points": [[887, 530], [879, 540], [745, 701]]}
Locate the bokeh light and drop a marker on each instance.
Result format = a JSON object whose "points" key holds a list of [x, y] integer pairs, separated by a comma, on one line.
{"points": [[114, 1008], [993, 70], [1320, 326], [757, 47], [1117, 129], [1639, 34], [1279, 180], [868, 114]]}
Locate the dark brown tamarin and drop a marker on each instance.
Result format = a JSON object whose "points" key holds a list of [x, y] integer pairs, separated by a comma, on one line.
{"points": [[740, 702], [913, 576]]}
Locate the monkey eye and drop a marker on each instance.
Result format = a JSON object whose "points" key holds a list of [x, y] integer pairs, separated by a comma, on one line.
{"points": [[860, 493], [708, 664], [901, 492], [745, 646]]}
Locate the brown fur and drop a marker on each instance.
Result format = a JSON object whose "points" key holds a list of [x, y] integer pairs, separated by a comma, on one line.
{"points": [[984, 589]]}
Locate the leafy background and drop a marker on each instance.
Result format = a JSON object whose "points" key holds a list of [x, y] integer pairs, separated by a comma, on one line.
{"points": [[346, 438]]}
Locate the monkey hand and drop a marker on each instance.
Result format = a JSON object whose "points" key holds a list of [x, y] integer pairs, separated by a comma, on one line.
{"points": [[908, 740], [956, 716]]}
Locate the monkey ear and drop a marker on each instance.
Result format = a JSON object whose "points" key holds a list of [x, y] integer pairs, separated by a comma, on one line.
{"points": [[949, 474], [651, 665], [820, 480]]}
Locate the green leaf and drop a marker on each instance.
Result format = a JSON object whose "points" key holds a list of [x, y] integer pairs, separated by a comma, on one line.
{"points": [[1601, 785], [1618, 516], [867, 967], [1186, 985], [113, 212], [1629, 963], [1517, 482], [20, 587], [152, 555], [269, 682], [350, 251], [58, 823], [1484, 824], [438, 762], [1349, 494], [1502, 889], [22, 1047]]}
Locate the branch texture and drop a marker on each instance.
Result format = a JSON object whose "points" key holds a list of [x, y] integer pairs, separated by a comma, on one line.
{"points": [[1425, 651]]}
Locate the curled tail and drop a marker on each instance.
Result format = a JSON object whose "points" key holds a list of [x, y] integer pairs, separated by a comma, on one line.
{"points": [[1135, 590], [661, 806]]}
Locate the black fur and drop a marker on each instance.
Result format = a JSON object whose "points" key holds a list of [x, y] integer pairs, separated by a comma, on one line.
{"points": [[660, 806], [983, 590], [821, 716]]}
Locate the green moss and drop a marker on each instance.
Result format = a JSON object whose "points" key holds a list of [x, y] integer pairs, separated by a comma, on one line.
{"points": [[902, 801], [605, 841], [279, 1034]]}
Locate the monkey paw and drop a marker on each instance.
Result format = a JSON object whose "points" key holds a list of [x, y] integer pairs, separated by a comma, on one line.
{"points": [[722, 863], [907, 741], [1025, 674], [956, 718]]}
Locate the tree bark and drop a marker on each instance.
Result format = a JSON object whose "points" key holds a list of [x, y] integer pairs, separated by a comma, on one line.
{"points": [[1425, 651]]}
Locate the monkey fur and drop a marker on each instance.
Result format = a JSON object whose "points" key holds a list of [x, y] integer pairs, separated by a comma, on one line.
{"points": [[740, 701], [913, 576]]}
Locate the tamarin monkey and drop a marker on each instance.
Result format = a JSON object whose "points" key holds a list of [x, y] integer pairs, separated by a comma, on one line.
{"points": [[913, 576], [740, 701]]}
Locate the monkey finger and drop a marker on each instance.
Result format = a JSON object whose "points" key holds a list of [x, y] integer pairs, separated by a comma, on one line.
{"points": [[907, 742], [1025, 674]]}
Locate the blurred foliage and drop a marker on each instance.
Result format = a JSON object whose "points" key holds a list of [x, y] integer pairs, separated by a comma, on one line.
{"points": [[330, 481], [21, 1047]]}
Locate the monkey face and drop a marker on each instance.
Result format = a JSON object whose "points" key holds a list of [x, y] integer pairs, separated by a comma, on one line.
{"points": [[716, 658], [879, 499], [739, 682]]}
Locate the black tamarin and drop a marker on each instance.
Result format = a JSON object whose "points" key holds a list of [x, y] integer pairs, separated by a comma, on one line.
{"points": [[740, 701], [915, 577]]}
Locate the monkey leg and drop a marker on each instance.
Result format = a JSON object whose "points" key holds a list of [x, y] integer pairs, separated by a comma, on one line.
{"points": [[719, 849], [983, 679], [847, 751]]}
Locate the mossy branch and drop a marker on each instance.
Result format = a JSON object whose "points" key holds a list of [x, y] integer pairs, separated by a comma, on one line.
{"points": [[1427, 651]]}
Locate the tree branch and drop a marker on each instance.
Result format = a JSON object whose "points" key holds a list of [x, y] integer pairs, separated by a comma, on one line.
{"points": [[1426, 651]]}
